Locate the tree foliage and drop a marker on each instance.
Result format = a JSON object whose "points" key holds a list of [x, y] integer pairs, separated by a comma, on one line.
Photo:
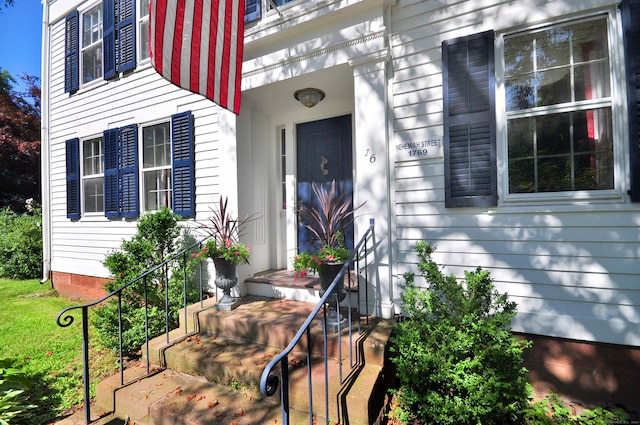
{"points": [[19, 141], [159, 236], [5, 3]]}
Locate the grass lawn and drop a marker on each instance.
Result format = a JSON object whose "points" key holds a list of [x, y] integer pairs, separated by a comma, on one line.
{"points": [[51, 355]]}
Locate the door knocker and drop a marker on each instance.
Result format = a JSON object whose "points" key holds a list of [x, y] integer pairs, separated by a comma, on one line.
{"points": [[324, 162]]}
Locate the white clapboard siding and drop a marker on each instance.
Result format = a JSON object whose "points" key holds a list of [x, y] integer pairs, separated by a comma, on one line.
{"points": [[573, 269], [137, 98]]}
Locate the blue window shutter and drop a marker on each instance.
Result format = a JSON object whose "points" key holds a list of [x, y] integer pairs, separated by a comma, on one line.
{"points": [[631, 30], [109, 38], [71, 53], [72, 147], [126, 19], [182, 173], [469, 121], [111, 185], [251, 10], [128, 155]]}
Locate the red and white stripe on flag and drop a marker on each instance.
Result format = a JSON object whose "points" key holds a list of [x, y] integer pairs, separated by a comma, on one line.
{"points": [[197, 45]]}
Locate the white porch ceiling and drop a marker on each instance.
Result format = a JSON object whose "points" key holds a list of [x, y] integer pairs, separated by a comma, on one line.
{"points": [[336, 82]]}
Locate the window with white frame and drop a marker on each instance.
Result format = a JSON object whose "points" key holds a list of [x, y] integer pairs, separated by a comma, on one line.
{"points": [[558, 100], [133, 168], [93, 175], [143, 30], [91, 46], [156, 166]]}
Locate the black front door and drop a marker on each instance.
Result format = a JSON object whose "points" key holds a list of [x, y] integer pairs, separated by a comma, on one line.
{"points": [[324, 154]]}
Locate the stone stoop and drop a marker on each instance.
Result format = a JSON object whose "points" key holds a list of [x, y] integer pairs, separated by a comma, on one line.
{"points": [[211, 370], [282, 284]]}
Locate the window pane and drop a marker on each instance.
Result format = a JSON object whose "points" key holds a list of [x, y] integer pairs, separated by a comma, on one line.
{"points": [[522, 175], [144, 7], [93, 195], [144, 39], [521, 155], [554, 174], [156, 149], [157, 187], [92, 26], [518, 55], [552, 134], [555, 87], [143, 30], [553, 48], [92, 157], [520, 92], [592, 81], [557, 65], [590, 41], [561, 152], [91, 64]]}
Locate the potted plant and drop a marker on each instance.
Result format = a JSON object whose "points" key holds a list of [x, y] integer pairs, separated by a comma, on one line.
{"points": [[225, 249], [327, 223]]}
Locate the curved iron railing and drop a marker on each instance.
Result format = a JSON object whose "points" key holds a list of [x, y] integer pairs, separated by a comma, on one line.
{"points": [[65, 318], [270, 381]]}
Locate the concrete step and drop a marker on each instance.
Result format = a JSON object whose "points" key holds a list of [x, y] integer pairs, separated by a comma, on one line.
{"points": [[170, 397], [282, 284], [220, 355]]}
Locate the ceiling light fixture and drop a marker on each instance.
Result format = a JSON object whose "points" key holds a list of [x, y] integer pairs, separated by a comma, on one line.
{"points": [[309, 97]]}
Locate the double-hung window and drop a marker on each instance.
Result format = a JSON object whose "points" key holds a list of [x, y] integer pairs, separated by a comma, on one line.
{"points": [[559, 126], [559, 109], [100, 43], [133, 168], [93, 175], [156, 166], [91, 44]]}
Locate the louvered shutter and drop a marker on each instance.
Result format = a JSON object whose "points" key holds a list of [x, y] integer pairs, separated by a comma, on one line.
{"points": [[72, 150], [126, 18], [71, 53], [251, 10], [109, 38], [111, 185], [128, 155], [182, 173], [631, 30], [469, 121]]}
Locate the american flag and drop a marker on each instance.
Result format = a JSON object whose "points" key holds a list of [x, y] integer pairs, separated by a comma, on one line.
{"points": [[197, 45]]}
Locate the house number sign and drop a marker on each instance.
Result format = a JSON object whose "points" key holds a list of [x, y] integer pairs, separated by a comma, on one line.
{"points": [[371, 156], [419, 149]]}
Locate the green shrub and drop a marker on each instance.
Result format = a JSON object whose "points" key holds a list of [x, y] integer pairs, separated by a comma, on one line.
{"points": [[14, 400], [158, 237], [21, 243], [456, 358]]}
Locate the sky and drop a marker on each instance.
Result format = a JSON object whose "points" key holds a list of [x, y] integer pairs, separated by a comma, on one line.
{"points": [[21, 39]]}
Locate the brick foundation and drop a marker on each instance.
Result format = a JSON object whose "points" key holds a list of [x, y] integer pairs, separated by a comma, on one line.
{"points": [[75, 286], [585, 373]]}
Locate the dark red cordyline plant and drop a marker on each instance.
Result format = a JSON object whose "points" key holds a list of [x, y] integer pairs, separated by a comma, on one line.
{"points": [[328, 222], [222, 226]]}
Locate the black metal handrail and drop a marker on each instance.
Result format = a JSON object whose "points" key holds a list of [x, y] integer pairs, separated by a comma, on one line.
{"points": [[270, 381], [65, 319]]}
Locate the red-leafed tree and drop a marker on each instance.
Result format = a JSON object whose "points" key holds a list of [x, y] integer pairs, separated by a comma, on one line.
{"points": [[5, 3], [19, 142]]}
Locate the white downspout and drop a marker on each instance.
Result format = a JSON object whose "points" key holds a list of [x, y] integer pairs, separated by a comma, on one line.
{"points": [[45, 166]]}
